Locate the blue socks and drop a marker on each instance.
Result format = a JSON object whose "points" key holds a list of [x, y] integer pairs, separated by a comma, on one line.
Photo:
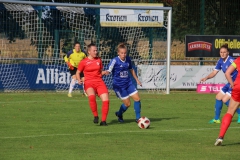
{"points": [[227, 103], [137, 109], [238, 110], [218, 108], [122, 109]]}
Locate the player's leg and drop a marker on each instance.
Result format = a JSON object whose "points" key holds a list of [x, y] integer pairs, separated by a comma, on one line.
{"points": [[226, 121], [238, 112], [73, 81], [132, 91], [92, 101], [226, 100], [123, 95], [228, 91], [103, 94], [218, 105], [123, 108]]}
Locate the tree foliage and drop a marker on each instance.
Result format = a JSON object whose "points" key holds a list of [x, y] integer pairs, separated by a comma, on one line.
{"points": [[220, 17]]}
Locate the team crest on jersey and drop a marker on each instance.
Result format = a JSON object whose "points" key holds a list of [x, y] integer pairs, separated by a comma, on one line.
{"points": [[97, 63]]}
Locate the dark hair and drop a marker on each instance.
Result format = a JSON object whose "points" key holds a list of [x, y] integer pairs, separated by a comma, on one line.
{"points": [[224, 46], [76, 44], [90, 45], [121, 46]]}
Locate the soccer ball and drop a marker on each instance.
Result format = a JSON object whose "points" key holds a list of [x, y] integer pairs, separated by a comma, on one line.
{"points": [[143, 123]]}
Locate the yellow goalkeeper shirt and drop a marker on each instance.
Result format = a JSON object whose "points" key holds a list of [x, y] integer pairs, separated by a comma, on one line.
{"points": [[74, 57]]}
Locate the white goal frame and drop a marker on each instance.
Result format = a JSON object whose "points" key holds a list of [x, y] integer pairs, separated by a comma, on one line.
{"points": [[169, 21]]}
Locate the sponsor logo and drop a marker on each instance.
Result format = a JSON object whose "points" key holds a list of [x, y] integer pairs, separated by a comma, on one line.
{"points": [[117, 18], [147, 18], [203, 88], [188, 69], [200, 45], [88, 62], [210, 69], [52, 76], [209, 88], [236, 54]]}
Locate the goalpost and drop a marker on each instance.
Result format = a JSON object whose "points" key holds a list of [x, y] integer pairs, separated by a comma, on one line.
{"points": [[34, 36]]}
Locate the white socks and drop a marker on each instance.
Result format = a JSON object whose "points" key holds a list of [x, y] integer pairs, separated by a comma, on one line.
{"points": [[72, 84]]}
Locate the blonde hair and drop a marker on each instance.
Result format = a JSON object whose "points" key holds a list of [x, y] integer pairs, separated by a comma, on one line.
{"points": [[121, 46]]}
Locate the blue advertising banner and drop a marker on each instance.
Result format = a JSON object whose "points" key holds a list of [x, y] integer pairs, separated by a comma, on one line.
{"points": [[34, 76], [39, 77]]}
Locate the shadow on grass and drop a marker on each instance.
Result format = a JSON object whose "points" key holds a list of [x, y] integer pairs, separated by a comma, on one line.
{"points": [[133, 120], [231, 144]]}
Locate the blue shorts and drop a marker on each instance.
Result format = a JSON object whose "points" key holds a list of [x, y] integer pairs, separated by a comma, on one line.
{"points": [[124, 93], [227, 89]]}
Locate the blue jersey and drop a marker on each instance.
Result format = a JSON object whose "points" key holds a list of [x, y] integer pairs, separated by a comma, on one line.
{"points": [[120, 72], [221, 65]]}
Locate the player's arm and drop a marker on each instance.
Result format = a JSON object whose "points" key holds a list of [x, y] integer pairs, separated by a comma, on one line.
{"points": [[78, 77], [218, 67], [228, 73], [211, 75], [68, 60], [79, 70], [135, 77], [110, 67], [130, 67]]}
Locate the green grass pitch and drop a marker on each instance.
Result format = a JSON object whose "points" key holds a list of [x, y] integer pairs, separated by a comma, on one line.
{"points": [[51, 126]]}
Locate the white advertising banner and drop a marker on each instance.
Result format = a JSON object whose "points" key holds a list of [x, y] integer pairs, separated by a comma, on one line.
{"points": [[181, 77], [130, 17]]}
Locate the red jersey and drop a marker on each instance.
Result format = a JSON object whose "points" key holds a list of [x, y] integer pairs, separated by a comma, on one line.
{"points": [[92, 69], [236, 88], [236, 64]]}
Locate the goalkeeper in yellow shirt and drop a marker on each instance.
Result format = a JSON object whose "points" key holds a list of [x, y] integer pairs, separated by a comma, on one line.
{"points": [[73, 58]]}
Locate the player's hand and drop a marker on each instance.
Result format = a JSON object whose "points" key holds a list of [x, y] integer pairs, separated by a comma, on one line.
{"points": [[105, 73], [70, 66], [139, 83], [231, 86], [80, 82], [203, 80]]}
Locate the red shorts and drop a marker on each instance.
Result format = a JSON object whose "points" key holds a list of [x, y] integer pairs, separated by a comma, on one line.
{"points": [[98, 86], [236, 93]]}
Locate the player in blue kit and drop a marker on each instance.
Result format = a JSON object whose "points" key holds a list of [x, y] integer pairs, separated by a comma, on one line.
{"points": [[225, 94], [122, 83]]}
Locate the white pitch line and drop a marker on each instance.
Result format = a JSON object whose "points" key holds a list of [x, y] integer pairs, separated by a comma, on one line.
{"points": [[54, 101], [94, 133]]}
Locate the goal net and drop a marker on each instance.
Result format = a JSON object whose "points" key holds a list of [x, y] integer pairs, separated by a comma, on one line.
{"points": [[34, 37]]}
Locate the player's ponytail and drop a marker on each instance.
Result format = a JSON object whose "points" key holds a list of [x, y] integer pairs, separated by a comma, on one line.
{"points": [[224, 46], [121, 46]]}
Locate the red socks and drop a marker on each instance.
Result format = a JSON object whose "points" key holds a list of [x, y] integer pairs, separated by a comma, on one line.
{"points": [[105, 109], [226, 121], [93, 104]]}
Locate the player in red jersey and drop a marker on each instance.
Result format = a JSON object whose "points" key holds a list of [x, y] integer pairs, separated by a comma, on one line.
{"points": [[93, 83], [234, 101]]}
